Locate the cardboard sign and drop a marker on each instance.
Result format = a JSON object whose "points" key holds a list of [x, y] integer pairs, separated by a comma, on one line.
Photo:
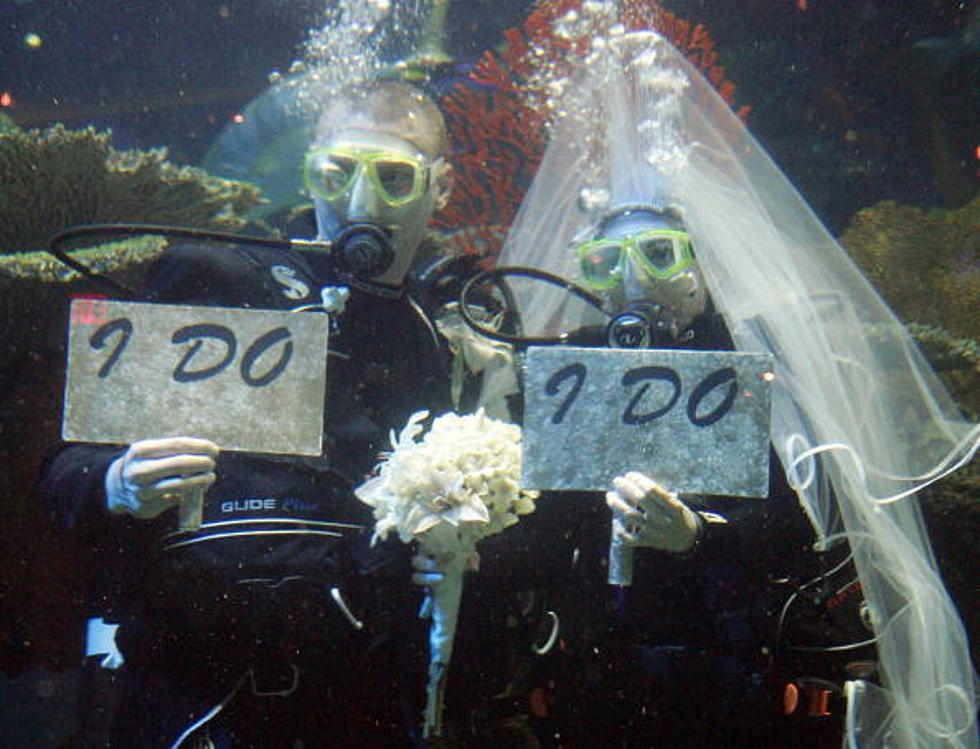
{"points": [[252, 380], [695, 421]]}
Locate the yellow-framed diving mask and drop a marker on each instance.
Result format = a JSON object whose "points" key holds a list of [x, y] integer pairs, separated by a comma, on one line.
{"points": [[661, 253], [330, 172]]}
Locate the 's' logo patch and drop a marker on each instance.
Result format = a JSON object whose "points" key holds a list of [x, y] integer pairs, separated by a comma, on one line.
{"points": [[294, 287]]}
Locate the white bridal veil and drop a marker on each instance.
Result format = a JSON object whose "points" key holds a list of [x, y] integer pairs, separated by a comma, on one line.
{"points": [[860, 421]]}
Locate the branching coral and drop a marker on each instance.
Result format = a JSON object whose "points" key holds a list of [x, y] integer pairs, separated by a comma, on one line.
{"points": [[924, 263], [56, 178], [499, 116]]}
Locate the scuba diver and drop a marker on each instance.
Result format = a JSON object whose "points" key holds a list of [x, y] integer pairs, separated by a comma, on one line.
{"points": [[275, 622], [693, 238], [695, 618]]}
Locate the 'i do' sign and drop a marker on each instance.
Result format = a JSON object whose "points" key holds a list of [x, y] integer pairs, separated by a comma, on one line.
{"points": [[251, 380], [695, 421]]}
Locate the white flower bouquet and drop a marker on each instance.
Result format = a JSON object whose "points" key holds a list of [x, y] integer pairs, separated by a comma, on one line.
{"points": [[456, 485]]}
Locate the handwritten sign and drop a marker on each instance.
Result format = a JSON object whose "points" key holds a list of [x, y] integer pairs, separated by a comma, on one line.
{"points": [[251, 380], [696, 421]]}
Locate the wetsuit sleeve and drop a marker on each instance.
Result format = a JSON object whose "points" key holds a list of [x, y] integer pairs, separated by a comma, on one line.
{"points": [[72, 485]]}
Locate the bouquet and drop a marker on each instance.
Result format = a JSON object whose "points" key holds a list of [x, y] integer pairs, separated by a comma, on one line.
{"points": [[456, 485]]}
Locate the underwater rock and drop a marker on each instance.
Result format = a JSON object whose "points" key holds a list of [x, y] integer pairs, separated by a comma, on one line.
{"points": [[924, 263]]}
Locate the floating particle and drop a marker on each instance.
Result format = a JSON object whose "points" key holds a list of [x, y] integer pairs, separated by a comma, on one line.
{"points": [[238, 118], [32, 40], [593, 199]]}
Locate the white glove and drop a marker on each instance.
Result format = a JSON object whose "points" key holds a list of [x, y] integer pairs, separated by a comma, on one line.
{"points": [[646, 514], [154, 475]]}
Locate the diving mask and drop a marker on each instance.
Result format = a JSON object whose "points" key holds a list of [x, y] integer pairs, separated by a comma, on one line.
{"points": [[642, 261], [374, 195], [397, 179], [660, 253]]}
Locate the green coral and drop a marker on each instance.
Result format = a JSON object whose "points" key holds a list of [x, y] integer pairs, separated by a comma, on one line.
{"points": [[7, 125], [924, 263], [110, 257], [956, 360], [58, 178]]}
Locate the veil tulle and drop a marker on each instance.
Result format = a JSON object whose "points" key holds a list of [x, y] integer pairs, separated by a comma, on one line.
{"points": [[860, 421]]}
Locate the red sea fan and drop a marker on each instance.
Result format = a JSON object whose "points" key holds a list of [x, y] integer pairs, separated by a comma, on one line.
{"points": [[498, 116]]}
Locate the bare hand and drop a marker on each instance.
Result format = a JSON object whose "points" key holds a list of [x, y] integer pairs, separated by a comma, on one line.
{"points": [[646, 514], [429, 570], [153, 475]]}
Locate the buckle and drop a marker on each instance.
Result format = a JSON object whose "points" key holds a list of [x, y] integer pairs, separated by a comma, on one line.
{"points": [[810, 697]]}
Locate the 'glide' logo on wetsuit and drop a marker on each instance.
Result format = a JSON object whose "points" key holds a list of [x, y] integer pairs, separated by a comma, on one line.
{"points": [[286, 276], [248, 505]]}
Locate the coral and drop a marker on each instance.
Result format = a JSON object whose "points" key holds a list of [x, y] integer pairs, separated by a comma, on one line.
{"points": [[498, 117], [7, 125], [924, 263], [956, 360], [57, 178]]}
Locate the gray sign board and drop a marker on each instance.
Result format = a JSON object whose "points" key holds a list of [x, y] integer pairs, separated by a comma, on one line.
{"points": [[695, 421], [252, 380]]}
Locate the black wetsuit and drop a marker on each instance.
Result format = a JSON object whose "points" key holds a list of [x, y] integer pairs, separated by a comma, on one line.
{"points": [[247, 602]]}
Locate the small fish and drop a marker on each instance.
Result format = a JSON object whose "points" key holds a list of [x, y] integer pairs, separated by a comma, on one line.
{"points": [[946, 50]]}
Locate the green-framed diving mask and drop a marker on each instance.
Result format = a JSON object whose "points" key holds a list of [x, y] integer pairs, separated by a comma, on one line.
{"points": [[661, 253], [331, 172]]}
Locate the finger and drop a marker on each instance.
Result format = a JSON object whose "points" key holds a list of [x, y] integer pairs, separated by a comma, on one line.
{"points": [[145, 472], [428, 579], [647, 485], [424, 563], [622, 508], [656, 496], [630, 491], [154, 500], [627, 534], [175, 488], [167, 446]]}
